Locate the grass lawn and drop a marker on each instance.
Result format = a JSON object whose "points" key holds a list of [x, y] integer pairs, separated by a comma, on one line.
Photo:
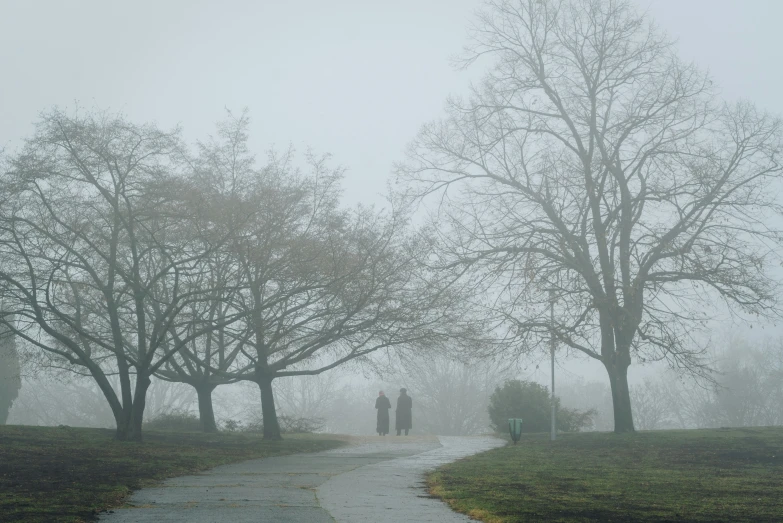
{"points": [[70, 474], [689, 475]]}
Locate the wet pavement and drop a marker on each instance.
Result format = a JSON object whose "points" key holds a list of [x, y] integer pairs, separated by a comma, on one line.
{"points": [[372, 480]]}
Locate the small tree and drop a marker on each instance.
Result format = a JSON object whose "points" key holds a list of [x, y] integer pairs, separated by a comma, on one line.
{"points": [[530, 401], [223, 180]]}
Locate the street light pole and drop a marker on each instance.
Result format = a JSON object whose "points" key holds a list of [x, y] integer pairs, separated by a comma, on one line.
{"points": [[553, 432]]}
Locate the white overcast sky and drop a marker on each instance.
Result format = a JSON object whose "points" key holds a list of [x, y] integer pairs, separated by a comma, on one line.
{"points": [[355, 78]]}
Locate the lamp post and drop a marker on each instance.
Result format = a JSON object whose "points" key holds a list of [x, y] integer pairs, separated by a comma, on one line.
{"points": [[553, 432]]}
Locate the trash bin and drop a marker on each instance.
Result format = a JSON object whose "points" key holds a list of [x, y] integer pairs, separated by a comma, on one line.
{"points": [[515, 429]]}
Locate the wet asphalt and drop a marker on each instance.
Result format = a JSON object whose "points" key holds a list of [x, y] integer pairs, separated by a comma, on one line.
{"points": [[373, 480]]}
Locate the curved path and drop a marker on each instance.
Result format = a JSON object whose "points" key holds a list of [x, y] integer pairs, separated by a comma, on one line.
{"points": [[375, 479]]}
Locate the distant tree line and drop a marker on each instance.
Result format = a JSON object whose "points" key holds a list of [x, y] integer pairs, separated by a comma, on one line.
{"points": [[745, 390]]}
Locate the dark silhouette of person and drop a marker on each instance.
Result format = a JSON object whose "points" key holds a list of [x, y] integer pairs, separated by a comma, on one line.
{"points": [[404, 418], [383, 405]]}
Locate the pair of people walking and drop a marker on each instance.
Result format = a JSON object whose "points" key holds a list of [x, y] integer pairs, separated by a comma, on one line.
{"points": [[403, 419]]}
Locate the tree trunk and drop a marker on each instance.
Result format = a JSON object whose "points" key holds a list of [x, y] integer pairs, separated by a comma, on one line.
{"points": [[122, 411], [120, 414], [271, 425], [124, 417], [133, 427], [205, 411], [621, 396], [123, 422], [10, 375]]}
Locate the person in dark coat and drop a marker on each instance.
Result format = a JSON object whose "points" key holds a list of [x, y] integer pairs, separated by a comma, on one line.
{"points": [[403, 419], [383, 405]]}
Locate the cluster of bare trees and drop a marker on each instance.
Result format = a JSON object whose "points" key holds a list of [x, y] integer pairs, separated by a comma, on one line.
{"points": [[592, 188], [749, 387], [595, 169], [124, 255], [746, 391]]}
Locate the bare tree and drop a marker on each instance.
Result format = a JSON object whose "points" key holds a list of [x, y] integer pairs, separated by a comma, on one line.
{"points": [[651, 406], [593, 164], [96, 252], [686, 399], [317, 302], [223, 172], [749, 387]]}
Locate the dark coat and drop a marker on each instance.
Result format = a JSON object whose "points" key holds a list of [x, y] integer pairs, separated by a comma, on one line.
{"points": [[404, 418], [383, 405]]}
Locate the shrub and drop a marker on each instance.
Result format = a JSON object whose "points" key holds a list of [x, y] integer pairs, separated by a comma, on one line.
{"points": [[530, 401], [288, 425], [292, 425], [175, 420], [572, 420], [254, 425], [231, 425]]}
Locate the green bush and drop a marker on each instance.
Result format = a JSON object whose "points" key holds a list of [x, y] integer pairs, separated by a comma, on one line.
{"points": [[530, 401], [175, 420]]}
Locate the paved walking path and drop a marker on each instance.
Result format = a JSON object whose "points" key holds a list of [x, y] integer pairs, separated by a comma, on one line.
{"points": [[374, 480]]}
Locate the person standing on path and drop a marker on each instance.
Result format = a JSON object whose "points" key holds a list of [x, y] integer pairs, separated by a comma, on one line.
{"points": [[383, 405], [404, 418]]}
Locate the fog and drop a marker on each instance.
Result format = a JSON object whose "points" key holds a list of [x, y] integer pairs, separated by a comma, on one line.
{"points": [[351, 78], [355, 80]]}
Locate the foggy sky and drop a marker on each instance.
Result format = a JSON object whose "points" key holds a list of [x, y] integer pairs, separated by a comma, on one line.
{"points": [[355, 78]]}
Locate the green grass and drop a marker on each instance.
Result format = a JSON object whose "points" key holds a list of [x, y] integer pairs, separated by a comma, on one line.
{"points": [[71, 474], [689, 475]]}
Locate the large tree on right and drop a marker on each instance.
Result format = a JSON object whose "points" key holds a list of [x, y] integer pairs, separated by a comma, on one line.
{"points": [[594, 169]]}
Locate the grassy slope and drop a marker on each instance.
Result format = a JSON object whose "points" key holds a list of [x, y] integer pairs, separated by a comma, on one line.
{"points": [[70, 474], [695, 475]]}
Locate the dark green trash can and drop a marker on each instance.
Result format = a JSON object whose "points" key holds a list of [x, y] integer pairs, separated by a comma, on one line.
{"points": [[515, 429]]}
